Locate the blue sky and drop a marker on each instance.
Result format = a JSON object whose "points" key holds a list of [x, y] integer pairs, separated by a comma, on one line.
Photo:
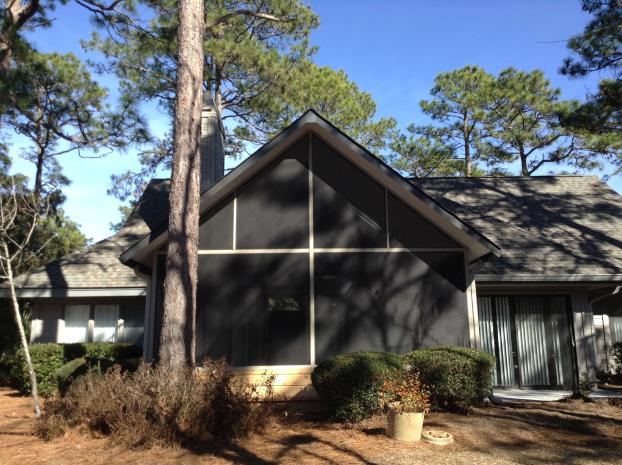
{"points": [[392, 49]]}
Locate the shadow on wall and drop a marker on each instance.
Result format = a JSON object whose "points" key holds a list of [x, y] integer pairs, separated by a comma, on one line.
{"points": [[364, 301]]}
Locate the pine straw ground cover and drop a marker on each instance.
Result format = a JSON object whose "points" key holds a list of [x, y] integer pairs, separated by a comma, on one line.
{"points": [[560, 432]]}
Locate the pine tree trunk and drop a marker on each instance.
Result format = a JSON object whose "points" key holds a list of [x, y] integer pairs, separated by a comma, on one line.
{"points": [[468, 168], [523, 165], [177, 335], [39, 174], [22, 335], [467, 146]]}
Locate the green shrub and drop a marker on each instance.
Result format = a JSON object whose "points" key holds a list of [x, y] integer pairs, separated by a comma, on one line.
{"points": [[351, 384], [11, 368], [456, 377], [71, 370], [10, 365], [46, 360], [101, 351], [49, 358]]}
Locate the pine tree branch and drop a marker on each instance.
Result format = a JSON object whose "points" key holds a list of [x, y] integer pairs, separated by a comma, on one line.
{"points": [[244, 12]]}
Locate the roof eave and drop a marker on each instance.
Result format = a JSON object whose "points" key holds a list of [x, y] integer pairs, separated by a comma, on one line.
{"points": [[551, 278], [48, 292]]}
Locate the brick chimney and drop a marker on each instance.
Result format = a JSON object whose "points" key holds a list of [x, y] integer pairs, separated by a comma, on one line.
{"points": [[212, 143]]}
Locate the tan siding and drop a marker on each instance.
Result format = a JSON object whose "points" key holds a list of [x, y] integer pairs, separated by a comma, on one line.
{"points": [[291, 383]]}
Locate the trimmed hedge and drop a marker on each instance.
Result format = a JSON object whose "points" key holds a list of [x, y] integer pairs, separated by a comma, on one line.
{"points": [[70, 371], [350, 384], [456, 377], [53, 363], [102, 351], [46, 360]]}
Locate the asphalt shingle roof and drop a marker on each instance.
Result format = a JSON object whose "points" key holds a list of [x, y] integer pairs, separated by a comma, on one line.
{"points": [[544, 225], [98, 266], [549, 225]]}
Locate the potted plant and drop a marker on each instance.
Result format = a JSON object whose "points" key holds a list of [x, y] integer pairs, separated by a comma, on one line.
{"points": [[406, 401]]}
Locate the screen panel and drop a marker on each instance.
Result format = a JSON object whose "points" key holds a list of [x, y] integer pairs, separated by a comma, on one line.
{"points": [[349, 206], [216, 228], [253, 309], [409, 229], [450, 265], [273, 208], [384, 302]]}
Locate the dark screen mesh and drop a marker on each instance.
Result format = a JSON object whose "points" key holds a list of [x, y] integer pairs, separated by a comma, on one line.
{"points": [[383, 302], [216, 229], [273, 208], [409, 229], [349, 206], [253, 309]]}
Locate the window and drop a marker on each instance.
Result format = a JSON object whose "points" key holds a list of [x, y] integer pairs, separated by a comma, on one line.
{"points": [[105, 324], [76, 323], [133, 324], [98, 323]]}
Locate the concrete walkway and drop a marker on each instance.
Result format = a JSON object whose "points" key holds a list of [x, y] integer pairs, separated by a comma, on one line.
{"points": [[545, 395]]}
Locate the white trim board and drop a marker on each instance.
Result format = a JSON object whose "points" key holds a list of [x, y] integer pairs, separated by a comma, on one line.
{"points": [[324, 250]]}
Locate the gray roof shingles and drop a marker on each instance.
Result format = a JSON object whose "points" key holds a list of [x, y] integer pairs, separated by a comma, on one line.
{"points": [[98, 266], [544, 225], [548, 225]]}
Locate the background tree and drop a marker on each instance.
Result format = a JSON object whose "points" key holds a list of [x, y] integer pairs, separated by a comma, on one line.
{"points": [[19, 210], [53, 102], [459, 106], [54, 236], [423, 156], [599, 49], [60, 235], [525, 124], [17, 17], [257, 66]]}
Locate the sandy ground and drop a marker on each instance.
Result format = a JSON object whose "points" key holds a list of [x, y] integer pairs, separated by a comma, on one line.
{"points": [[560, 432]]}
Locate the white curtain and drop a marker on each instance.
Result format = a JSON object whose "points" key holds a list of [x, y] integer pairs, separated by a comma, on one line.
{"points": [[106, 321], [76, 323]]}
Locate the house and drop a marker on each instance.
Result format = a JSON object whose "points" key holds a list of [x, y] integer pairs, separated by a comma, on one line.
{"points": [[313, 246]]}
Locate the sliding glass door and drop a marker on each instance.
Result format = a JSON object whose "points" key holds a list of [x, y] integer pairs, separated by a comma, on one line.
{"points": [[530, 337]]}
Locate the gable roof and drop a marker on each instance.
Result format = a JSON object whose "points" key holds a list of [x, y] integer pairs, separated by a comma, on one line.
{"points": [[476, 244], [549, 227], [97, 271]]}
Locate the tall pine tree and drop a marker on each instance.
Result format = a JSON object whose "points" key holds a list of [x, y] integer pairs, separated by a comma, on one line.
{"points": [[459, 106], [257, 66], [525, 125]]}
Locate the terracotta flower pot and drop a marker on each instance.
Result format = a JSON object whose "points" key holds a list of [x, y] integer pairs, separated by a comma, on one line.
{"points": [[405, 426]]}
